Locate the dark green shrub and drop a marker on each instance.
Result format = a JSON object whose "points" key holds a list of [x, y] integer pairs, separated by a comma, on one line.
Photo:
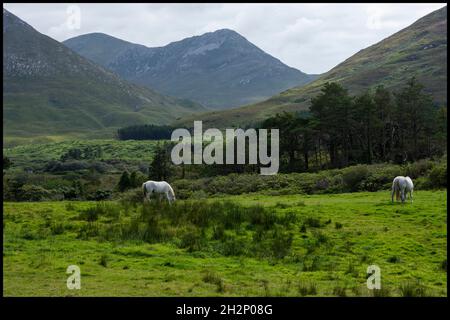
{"points": [[438, 176], [99, 195], [418, 168], [34, 193], [132, 197], [354, 176]]}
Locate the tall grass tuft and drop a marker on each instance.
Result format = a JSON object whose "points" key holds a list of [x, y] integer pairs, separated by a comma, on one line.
{"points": [[307, 289], [213, 278], [412, 289]]}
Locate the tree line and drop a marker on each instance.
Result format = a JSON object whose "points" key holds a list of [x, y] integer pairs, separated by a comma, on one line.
{"points": [[378, 126], [342, 130], [145, 132]]}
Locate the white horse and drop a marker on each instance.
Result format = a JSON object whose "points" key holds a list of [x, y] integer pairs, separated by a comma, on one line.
{"points": [[401, 186], [161, 187]]}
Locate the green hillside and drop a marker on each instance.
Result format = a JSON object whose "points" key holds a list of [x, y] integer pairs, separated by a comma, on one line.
{"points": [[419, 50], [50, 90]]}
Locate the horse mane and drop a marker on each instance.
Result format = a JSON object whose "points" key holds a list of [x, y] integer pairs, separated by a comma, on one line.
{"points": [[172, 193]]}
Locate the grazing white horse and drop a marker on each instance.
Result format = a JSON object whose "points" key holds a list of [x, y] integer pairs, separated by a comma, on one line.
{"points": [[161, 187], [401, 186]]}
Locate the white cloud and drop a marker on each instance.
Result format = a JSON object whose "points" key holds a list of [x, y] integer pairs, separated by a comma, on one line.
{"points": [[311, 37]]}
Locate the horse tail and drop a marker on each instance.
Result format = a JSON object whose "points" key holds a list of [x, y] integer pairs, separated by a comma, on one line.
{"points": [[144, 189], [396, 188]]}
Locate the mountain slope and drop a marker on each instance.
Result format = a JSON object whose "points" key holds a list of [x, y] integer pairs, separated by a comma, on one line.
{"points": [[219, 69], [49, 89], [419, 50]]}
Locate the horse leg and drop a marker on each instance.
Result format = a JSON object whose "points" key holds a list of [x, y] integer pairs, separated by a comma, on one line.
{"points": [[150, 195], [146, 196], [392, 194], [411, 195]]}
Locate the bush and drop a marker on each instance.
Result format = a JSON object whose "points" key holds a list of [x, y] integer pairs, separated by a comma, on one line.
{"points": [[99, 195], [34, 193], [418, 168], [422, 183], [132, 197], [438, 176], [354, 176], [380, 177]]}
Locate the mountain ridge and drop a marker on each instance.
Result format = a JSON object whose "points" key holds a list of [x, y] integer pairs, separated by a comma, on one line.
{"points": [[418, 50], [48, 88], [218, 69]]}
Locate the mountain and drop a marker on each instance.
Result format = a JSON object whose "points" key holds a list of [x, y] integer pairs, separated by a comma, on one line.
{"points": [[218, 69], [49, 89], [419, 50]]}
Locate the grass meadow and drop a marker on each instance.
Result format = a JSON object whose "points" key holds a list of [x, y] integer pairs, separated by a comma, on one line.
{"points": [[245, 245]]}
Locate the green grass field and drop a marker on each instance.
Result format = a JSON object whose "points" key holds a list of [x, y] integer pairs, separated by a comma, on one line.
{"points": [[327, 258]]}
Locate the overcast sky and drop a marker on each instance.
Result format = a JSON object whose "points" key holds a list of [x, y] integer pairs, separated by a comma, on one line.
{"points": [[310, 37]]}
